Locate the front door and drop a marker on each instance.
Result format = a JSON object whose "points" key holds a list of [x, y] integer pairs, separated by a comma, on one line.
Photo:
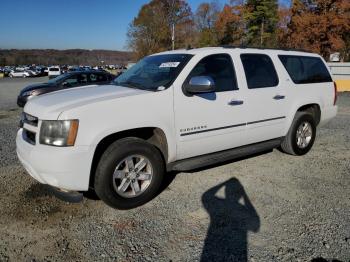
{"points": [[210, 122]]}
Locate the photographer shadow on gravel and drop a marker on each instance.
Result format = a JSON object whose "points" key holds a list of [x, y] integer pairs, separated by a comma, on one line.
{"points": [[230, 220]]}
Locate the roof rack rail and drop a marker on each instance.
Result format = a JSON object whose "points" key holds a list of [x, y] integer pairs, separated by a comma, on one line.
{"points": [[262, 48]]}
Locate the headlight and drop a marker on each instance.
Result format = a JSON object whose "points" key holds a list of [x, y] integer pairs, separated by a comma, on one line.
{"points": [[27, 93], [58, 132]]}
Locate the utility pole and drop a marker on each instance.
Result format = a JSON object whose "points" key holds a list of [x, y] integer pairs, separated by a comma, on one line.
{"points": [[262, 33], [173, 35]]}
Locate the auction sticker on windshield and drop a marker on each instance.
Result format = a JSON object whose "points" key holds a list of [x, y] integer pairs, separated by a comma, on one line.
{"points": [[169, 64]]}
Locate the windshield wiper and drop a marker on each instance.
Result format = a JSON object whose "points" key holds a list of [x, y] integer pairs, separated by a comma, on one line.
{"points": [[126, 84], [133, 85]]}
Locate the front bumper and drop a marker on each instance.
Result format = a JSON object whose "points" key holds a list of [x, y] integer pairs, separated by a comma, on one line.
{"points": [[67, 168]]}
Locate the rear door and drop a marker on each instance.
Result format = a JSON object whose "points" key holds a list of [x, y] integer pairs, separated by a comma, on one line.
{"points": [[267, 99], [98, 78]]}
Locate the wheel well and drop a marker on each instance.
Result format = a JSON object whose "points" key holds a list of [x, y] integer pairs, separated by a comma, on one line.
{"points": [[314, 110], [153, 135]]}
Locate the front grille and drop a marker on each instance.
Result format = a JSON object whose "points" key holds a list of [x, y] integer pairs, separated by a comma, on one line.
{"points": [[29, 136], [28, 119]]}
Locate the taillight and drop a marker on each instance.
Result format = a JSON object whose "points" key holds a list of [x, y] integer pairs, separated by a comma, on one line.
{"points": [[335, 93]]}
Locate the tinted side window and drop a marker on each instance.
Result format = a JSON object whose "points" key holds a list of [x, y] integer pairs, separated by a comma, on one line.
{"points": [[82, 79], [305, 69], [220, 68], [96, 78], [93, 78], [71, 81], [259, 71], [102, 78]]}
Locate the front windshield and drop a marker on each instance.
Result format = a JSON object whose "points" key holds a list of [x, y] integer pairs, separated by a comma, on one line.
{"points": [[57, 79], [154, 72]]}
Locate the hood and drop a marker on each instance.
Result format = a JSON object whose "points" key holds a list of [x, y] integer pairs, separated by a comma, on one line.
{"points": [[49, 106], [35, 87]]}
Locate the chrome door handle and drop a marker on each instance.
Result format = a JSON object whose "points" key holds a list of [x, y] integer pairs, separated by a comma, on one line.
{"points": [[235, 102], [278, 97]]}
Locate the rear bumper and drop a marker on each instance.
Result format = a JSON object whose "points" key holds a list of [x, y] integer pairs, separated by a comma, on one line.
{"points": [[327, 114], [67, 168]]}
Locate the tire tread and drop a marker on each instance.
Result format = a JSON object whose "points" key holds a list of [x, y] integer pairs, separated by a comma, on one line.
{"points": [[287, 143]]}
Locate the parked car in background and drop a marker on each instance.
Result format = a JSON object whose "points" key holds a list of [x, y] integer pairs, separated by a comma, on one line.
{"points": [[20, 68], [34, 71], [43, 71], [54, 71], [68, 80], [19, 73], [6, 71], [64, 69]]}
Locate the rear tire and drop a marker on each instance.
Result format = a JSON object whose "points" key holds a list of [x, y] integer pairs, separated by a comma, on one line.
{"points": [[301, 135], [121, 181]]}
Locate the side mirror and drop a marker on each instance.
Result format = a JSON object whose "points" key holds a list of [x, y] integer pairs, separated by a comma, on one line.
{"points": [[65, 84], [200, 84]]}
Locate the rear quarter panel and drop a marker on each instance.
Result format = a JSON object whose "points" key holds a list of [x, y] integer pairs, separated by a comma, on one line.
{"points": [[299, 95]]}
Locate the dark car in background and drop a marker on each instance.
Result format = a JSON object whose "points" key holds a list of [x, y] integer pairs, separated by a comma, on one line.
{"points": [[65, 81]]}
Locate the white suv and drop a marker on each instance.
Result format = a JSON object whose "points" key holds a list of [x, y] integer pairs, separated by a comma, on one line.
{"points": [[175, 110], [54, 71]]}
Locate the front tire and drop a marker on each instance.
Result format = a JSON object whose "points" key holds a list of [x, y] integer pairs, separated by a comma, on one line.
{"points": [[301, 135], [129, 173]]}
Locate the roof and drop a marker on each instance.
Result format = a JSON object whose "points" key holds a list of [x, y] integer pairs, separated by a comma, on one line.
{"points": [[240, 50]]}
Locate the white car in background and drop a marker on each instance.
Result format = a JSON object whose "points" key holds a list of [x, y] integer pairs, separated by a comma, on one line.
{"points": [[17, 73], [54, 71]]}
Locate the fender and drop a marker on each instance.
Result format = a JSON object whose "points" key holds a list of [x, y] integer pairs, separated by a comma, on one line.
{"points": [[168, 132], [298, 104]]}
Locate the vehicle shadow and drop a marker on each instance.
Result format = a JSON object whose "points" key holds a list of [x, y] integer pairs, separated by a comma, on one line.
{"points": [[321, 259], [230, 220]]}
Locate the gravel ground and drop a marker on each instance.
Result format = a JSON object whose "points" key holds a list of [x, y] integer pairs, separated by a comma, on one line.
{"points": [[271, 207], [10, 88]]}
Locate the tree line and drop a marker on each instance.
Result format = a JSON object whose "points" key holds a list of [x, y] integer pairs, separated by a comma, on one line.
{"points": [[63, 57], [320, 26]]}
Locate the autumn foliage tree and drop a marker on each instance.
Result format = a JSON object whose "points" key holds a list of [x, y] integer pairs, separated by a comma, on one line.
{"points": [[150, 31], [205, 19], [320, 26], [230, 25], [284, 15]]}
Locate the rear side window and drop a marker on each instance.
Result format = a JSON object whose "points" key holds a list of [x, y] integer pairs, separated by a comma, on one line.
{"points": [[305, 69], [259, 71], [220, 68]]}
